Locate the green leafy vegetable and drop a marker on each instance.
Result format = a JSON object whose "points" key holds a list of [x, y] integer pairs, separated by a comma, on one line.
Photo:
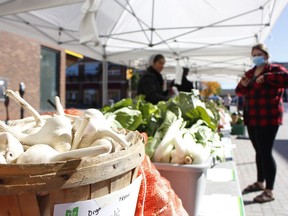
{"points": [[128, 118]]}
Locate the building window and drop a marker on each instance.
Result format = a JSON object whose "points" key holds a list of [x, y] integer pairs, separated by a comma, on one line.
{"points": [[72, 70], [91, 68], [114, 95], [49, 83], [71, 96], [115, 72], [90, 96]]}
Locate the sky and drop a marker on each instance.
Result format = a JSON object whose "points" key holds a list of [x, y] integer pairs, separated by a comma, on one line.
{"points": [[276, 42]]}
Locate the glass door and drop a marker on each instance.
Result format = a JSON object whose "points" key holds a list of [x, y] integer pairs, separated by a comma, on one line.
{"points": [[50, 75]]}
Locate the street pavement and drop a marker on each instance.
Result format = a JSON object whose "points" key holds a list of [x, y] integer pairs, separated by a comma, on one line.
{"points": [[244, 157]]}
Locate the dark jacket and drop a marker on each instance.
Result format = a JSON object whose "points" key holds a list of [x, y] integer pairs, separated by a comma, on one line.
{"points": [[186, 85], [150, 85]]}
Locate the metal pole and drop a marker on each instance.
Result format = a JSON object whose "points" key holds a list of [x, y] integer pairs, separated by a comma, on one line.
{"points": [[104, 78], [21, 91], [105, 83], [6, 103]]}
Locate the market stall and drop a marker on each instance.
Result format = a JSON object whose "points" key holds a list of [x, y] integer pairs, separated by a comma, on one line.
{"points": [[75, 160], [127, 32]]}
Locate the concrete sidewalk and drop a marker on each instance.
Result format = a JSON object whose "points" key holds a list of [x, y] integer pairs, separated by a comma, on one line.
{"points": [[244, 157]]}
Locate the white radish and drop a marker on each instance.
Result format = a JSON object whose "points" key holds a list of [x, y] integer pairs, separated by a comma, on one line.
{"points": [[163, 151]]}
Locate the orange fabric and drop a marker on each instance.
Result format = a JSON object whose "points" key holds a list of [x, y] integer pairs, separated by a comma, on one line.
{"points": [[73, 111], [156, 196], [145, 137]]}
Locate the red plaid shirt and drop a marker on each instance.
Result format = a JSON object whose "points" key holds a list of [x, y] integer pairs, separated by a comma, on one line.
{"points": [[263, 103]]}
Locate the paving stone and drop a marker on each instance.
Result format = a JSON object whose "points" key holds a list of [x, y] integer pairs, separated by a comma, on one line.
{"points": [[244, 156]]}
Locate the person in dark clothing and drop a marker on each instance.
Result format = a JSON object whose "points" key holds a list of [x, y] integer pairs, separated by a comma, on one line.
{"points": [[262, 88], [151, 83], [186, 85]]}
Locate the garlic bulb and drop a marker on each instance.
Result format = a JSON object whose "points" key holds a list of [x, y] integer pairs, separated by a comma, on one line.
{"points": [[27, 124], [10, 147], [97, 127], [2, 159], [56, 131], [42, 153]]}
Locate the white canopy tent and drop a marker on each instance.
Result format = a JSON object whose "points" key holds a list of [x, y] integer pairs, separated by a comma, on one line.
{"points": [[212, 37]]}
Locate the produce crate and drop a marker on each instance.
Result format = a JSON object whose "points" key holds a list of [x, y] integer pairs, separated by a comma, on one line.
{"points": [[188, 182], [238, 129], [34, 189]]}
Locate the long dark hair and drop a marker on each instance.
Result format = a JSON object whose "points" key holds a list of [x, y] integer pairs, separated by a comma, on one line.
{"points": [[158, 57]]}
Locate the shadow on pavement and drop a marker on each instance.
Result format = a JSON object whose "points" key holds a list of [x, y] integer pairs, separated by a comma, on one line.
{"points": [[246, 163], [242, 137], [248, 202], [281, 146]]}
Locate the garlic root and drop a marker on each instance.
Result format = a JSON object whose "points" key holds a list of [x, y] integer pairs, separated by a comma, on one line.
{"points": [[59, 107], [80, 132], [84, 152], [17, 98]]}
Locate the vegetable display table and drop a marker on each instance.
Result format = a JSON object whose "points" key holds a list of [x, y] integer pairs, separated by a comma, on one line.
{"points": [[223, 194]]}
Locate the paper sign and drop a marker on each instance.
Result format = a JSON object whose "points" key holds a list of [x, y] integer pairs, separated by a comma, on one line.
{"points": [[220, 205], [220, 175], [119, 203]]}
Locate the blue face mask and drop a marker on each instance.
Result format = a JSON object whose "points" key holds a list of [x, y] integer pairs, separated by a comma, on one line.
{"points": [[259, 60]]}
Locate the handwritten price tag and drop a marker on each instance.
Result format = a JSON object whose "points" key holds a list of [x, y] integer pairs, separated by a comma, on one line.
{"points": [[119, 203]]}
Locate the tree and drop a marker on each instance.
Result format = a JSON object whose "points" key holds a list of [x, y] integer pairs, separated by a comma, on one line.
{"points": [[210, 88]]}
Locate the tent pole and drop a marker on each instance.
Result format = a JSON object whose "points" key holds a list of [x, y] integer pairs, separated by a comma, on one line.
{"points": [[104, 82], [104, 78]]}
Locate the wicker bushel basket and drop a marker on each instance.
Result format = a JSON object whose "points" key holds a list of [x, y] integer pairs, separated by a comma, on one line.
{"points": [[33, 190]]}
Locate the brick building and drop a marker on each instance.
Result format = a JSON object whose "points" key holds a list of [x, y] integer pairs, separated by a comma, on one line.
{"points": [[39, 66], [43, 69], [84, 84]]}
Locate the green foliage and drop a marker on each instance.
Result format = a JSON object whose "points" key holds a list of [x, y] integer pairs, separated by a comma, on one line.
{"points": [[138, 114]]}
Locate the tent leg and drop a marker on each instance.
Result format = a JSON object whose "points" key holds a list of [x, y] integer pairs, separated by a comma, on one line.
{"points": [[104, 82]]}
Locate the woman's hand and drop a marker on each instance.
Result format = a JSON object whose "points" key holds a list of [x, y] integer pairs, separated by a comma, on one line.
{"points": [[260, 79], [245, 81]]}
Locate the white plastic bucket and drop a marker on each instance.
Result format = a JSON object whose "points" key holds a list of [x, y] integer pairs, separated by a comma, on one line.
{"points": [[188, 182]]}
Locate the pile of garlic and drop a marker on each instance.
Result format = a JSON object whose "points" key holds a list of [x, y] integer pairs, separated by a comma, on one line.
{"points": [[45, 138]]}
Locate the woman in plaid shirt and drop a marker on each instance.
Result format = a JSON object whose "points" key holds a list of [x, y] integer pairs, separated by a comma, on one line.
{"points": [[262, 88]]}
